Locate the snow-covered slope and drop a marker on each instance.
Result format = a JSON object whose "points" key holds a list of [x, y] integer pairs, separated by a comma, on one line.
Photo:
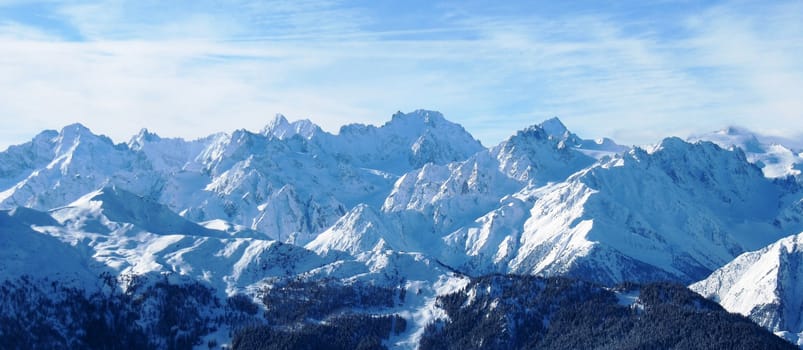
{"points": [[677, 212], [112, 230], [491, 241], [26, 252], [360, 230], [110, 205], [765, 285], [451, 195], [454, 195], [128, 234], [776, 159]]}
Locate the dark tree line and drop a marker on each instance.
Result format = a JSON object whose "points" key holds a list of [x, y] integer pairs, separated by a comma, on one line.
{"points": [[150, 314], [364, 332], [526, 312], [155, 313], [492, 312], [323, 314], [296, 300]]}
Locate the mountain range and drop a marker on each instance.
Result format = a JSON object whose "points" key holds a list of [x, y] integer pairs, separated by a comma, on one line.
{"points": [[391, 219]]}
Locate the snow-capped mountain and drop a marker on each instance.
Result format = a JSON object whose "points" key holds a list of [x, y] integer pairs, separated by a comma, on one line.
{"points": [[774, 158], [71, 163], [450, 195], [765, 285], [455, 194], [632, 217], [282, 129], [402, 213], [406, 142], [536, 155], [248, 178], [676, 212], [628, 217]]}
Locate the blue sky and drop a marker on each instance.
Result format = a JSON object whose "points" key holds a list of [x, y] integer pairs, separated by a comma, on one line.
{"points": [[632, 71]]}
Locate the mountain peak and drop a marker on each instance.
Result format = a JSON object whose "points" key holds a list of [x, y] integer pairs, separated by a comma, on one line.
{"points": [[670, 143], [146, 135], [278, 121], [428, 117], [75, 127], [74, 134], [141, 138], [776, 156], [553, 130], [281, 128], [733, 136], [554, 127], [407, 141], [72, 131]]}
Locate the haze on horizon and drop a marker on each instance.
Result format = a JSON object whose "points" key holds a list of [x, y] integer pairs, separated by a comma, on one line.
{"points": [[629, 71]]}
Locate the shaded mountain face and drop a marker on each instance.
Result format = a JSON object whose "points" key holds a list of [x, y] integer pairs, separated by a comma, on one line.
{"points": [[26, 252], [413, 206]]}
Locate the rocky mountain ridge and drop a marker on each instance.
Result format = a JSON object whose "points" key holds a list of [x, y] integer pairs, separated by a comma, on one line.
{"points": [[416, 204]]}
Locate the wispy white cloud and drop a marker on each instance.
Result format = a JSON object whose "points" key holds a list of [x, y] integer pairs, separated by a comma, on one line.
{"points": [[217, 69], [757, 58], [21, 31]]}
